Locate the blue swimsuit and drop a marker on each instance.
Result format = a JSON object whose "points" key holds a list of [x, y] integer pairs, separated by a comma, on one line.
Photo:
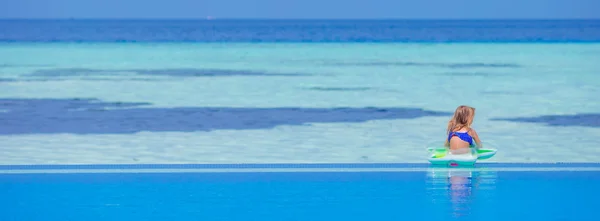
{"points": [[462, 135]]}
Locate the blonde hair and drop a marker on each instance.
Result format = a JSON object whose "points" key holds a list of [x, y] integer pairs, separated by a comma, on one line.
{"points": [[463, 117]]}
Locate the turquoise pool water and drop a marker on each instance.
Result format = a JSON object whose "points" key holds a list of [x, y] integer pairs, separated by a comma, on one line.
{"points": [[300, 192]]}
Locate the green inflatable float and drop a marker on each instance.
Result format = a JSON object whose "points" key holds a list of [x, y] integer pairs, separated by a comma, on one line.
{"points": [[442, 156]]}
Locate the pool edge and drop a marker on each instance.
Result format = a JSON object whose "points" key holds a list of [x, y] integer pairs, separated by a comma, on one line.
{"points": [[286, 167]]}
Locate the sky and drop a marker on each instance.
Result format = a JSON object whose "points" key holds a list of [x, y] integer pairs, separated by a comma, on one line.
{"points": [[302, 9]]}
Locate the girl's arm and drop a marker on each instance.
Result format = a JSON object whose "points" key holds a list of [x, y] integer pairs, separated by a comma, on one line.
{"points": [[473, 134]]}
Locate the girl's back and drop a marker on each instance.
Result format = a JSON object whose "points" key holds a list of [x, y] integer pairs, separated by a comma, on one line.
{"points": [[460, 134]]}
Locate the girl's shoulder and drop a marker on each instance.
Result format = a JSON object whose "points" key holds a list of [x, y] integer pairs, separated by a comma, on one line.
{"points": [[463, 130], [471, 131]]}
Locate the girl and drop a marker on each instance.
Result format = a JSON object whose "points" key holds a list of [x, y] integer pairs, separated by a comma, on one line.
{"points": [[460, 134]]}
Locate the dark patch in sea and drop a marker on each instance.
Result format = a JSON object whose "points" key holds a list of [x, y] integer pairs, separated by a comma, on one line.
{"points": [[7, 80], [176, 72], [41, 79], [340, 88], [428, 64], [584, 120], [192, 72], [91, 116], [70, 72], [470, 74]]}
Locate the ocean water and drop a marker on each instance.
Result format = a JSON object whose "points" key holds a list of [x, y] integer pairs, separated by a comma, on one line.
{"points": [[195, 92]]}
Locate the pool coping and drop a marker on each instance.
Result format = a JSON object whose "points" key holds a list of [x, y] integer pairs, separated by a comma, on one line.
{"points": [[287, 167]]}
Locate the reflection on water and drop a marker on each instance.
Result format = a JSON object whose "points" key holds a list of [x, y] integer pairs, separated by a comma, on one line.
{"points": [[460, 188]]}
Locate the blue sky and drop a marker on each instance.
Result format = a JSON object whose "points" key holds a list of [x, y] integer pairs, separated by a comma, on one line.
{"points": [[328, 9]]}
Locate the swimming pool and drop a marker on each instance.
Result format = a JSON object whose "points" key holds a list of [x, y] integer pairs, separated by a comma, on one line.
{"points": [[300, 192]]}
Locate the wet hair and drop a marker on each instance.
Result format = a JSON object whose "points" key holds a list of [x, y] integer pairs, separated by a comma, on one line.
{"points": [[463, 117]]}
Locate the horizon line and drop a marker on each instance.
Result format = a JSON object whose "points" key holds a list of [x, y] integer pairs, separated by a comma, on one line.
{"points": [[213, 18]]}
